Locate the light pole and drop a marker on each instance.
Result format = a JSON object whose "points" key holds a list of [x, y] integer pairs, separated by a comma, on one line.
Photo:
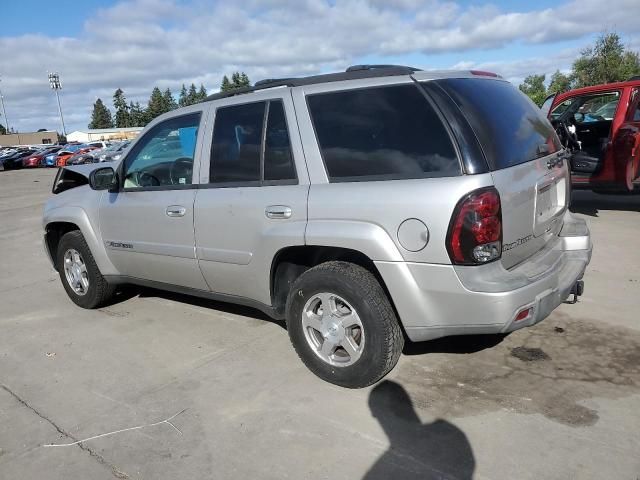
{"points": [[54, 81], [4, 112]]}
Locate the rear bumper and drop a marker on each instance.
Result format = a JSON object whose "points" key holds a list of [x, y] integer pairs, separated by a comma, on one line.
{"points": [[439, 300]]}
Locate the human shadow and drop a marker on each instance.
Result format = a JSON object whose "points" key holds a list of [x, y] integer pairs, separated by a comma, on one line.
{"points": [[417, 451], [590, 203]]}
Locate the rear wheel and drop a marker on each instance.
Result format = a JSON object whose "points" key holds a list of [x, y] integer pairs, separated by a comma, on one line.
{"points": [[342, 325], [79, 273]]}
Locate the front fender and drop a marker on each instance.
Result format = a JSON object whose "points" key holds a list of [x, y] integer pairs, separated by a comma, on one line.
{"points": [[77, 216], [370, 239]]}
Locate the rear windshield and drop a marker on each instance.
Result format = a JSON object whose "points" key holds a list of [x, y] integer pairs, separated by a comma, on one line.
{"points": [[381, 133], [510, 127]]}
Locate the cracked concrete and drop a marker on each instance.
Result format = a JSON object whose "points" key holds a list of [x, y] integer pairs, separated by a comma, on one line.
{"points": [[453, 408]]}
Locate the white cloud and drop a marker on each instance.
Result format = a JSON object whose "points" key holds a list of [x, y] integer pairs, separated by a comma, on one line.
{"points": [[137, 44]]}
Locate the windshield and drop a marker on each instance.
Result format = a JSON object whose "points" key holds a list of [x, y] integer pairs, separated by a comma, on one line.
{"points": [[510, 127]]}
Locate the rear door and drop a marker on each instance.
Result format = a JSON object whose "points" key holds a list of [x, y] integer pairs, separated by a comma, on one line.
{"points": [[523, 153], [252, 200]]}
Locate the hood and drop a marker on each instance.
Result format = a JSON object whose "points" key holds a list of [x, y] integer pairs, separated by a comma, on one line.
{"points": [[73, 176]]}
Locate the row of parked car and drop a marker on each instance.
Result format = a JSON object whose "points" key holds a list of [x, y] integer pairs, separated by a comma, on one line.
{"points": [[30, 156]]}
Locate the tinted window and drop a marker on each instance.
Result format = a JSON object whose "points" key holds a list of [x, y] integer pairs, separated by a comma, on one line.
{"points": [[164, 156], [237, 138], [381, 133], [278, 161], [510, 127]]}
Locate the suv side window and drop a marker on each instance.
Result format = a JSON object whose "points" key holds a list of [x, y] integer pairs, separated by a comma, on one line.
{"points": [[164, 156], [243, 152], [381, 133], [633, 115]]}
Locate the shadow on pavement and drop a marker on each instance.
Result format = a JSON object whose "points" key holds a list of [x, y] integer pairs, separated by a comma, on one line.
{"points": [[129, 291], [417, 451], [590, 203], [454, 344]]}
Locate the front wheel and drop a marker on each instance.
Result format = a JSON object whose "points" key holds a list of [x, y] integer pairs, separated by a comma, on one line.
{"points": [[79, 273], [342, 325]]}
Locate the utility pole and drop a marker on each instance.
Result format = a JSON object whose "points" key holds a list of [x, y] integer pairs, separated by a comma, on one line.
{"points": [[4, 112], [54, 81]]}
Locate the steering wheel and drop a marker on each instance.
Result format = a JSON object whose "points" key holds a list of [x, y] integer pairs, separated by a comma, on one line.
{"points": [[568, 138], [181, 168]]}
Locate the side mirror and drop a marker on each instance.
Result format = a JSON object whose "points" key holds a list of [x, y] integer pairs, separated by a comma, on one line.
{"points": [[103, 179]]}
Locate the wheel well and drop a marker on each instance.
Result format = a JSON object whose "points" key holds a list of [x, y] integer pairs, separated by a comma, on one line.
{"points": [[54, 232], [291, 262]]}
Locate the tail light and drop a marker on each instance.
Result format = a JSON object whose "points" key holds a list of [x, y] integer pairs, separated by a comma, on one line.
{"points": [[475, 231]]}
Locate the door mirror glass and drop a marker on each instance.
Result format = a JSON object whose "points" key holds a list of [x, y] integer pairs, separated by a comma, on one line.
{"points": [[102, 178]]}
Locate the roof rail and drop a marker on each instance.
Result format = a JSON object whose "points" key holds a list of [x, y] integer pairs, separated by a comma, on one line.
{"points": [[354, 72], [268, 81], [635, 77], [355, 68]]}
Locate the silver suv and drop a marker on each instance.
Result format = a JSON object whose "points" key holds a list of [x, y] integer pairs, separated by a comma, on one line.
{"points": [[362, 207]]}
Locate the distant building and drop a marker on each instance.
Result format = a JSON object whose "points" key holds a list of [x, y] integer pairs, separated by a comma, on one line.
{"points": [[104, 134], [29, 138]]}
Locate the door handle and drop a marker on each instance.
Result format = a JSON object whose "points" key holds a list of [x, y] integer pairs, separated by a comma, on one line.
{"points": [[278, 211], [175, 211]]}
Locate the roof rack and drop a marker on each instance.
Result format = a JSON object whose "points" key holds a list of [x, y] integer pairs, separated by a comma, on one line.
{"points": [[355, 68], [352, 73]]}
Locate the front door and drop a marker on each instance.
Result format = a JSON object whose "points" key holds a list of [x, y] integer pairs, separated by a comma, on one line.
{"points": [[253, 200], [147, 226]]}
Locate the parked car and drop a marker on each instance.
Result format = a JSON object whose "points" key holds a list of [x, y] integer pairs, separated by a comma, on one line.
{"points": [[83, 156], [357, 206], [36, 159], [112, 153], [14, 161], [69, 151], [600, 126]]}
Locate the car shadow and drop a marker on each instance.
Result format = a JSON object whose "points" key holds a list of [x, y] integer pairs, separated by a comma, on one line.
{"points": [[417, 451], [455, 344], [127, 292], [589, 203]]}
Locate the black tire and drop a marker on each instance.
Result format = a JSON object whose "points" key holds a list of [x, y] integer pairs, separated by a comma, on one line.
{"points": [[361, 289], [99, 290]]}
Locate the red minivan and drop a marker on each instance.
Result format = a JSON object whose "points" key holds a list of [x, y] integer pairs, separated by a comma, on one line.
{"points": [[600, 126]]}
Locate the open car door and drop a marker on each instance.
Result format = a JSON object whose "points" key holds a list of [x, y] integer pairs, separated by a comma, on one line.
{"points": [[626, 144], [546, 105]]}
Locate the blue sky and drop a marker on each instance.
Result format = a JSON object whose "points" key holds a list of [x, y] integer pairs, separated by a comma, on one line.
{"points": [[98, 46]]}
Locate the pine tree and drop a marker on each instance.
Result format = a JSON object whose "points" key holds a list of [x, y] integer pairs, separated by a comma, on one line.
{"points": [[123, 118], [169, 101], [137, 115], [202, 93], [182, 100], [238, 80], [225, 86], [101, 116], [192, 96], [156, 105]]}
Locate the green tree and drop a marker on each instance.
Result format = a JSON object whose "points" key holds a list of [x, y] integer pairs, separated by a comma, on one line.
{"points": [[156, 105], [560, 83], [202, 93], [533, 87], [169, 101], [192, 96], [137, 115], [605, 62], [182, 99], [226, 85], [101, 116], [123, 117], [3, 130], [238, 80]]}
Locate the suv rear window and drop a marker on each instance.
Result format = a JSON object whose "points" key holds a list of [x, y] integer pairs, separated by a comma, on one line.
{"points": [[381, 133], [510, 127]]}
